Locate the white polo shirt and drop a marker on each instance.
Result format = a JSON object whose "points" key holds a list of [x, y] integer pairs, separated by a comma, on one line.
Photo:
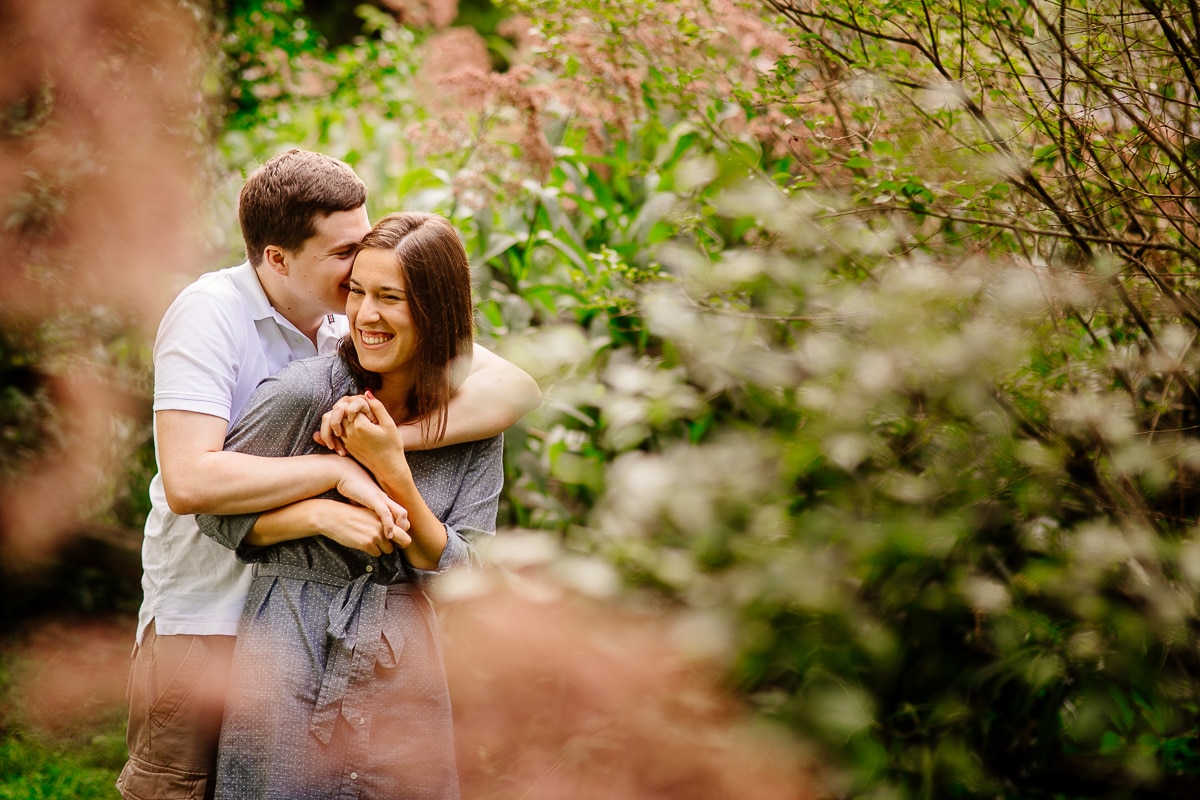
{"points": [[216, 342]]}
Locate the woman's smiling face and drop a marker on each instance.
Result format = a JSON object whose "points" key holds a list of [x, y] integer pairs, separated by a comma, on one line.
{"points": [[380, 321]]}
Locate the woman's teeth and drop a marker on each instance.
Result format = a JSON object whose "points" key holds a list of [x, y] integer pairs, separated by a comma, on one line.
{"points": [[374, 338]]}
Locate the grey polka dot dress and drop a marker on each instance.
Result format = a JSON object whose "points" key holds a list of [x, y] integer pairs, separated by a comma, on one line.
{"points": [[338, 687]]}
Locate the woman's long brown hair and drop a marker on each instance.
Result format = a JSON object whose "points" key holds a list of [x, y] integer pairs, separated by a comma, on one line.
{"points": [[437, 280]]}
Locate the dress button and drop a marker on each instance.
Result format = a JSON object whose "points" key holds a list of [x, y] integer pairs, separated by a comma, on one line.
{"points": [[353, 776], [370, 568]]}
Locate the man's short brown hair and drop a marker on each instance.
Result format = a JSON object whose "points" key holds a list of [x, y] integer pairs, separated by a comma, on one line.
{"points": [[282, 198]]}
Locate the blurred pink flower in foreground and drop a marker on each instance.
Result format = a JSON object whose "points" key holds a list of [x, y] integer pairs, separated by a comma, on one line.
{"points": [[573, 698], [70, 676], [97, 174], [567, 698]]}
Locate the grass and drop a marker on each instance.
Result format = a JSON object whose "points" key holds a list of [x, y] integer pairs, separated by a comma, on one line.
{"points": [[34, 769], [62, 716]]}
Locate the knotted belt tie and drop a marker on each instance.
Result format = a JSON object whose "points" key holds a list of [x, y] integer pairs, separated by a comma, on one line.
{"points": [[354, 649]]}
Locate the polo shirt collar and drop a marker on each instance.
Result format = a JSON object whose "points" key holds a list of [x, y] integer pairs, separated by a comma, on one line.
{"points": [[246, 279], [332, 329], [250, 287]]}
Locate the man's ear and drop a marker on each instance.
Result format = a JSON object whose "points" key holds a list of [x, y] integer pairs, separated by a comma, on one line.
{"points": [[276, 258]]}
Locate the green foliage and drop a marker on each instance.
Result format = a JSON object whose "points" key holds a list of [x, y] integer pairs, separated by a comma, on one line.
{"points": [[25, 402], [282, 40]]}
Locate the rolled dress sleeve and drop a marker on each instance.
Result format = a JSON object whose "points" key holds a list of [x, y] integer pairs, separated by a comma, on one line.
{"points": [[472, 514]]}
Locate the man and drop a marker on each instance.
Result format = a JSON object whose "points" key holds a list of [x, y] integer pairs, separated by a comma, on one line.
{"points": [[301, 214]]}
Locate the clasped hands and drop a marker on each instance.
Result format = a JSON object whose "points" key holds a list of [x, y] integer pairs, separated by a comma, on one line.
{"points": [[360, 426]]}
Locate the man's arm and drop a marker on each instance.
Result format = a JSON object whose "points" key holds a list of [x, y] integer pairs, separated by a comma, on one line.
{"points": [[493, 397], [200, 477]]}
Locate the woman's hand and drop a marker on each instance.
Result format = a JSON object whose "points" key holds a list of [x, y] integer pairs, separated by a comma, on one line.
{"points": [[333, 421], [364, 429]]}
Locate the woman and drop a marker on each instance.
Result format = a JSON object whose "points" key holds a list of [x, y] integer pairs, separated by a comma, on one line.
{"points": [[338, 688]]}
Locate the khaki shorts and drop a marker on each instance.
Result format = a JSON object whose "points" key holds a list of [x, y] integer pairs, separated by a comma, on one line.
{"points": [[176, 697]]}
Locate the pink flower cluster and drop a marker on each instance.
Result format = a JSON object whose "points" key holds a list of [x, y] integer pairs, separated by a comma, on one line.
{"points": [[604, 74]]}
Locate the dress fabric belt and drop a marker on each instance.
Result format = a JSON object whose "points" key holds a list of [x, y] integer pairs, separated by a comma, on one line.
{"points": [[353, 649]]}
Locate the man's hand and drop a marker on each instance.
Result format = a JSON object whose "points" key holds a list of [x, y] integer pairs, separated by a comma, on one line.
{"points": [[350, 525], [357, 486], [359, 529]]}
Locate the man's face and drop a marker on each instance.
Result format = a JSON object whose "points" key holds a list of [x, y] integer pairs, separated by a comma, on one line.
{"points": [[319, 269]]}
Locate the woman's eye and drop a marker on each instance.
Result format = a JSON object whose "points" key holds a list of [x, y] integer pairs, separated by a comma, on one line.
{"points": [[355, 290]]}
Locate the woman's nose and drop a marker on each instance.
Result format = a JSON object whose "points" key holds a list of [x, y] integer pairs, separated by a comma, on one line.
{"points": [[368, 309]]}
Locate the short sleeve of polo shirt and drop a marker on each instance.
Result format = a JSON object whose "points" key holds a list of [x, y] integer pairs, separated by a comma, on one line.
{"points": [[198, 353]]}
